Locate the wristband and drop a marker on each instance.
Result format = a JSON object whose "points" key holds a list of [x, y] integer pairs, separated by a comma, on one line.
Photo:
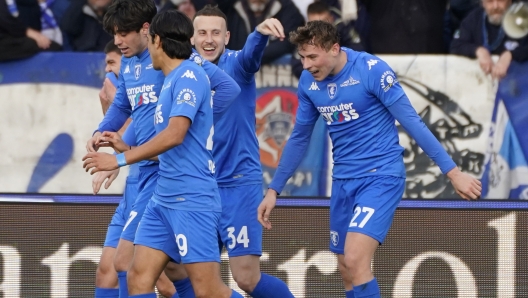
{"points": [[121, 161]]}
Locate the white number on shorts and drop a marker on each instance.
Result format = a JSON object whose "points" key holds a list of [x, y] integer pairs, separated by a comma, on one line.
{"points": [[181, 240], [131, 217], [357, 212], [241, 239], [209, 144]]}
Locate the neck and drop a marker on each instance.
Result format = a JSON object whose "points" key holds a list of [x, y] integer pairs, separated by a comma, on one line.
{"points": [[169, 64], [341, 61]]}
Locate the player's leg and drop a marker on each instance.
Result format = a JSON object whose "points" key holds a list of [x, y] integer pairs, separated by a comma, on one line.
{"points": [[241, 234], [165, 286], [106, 281], [375, 203], [125, 249], [341, 202], [197, 243], [177, 274], [154, 247]]}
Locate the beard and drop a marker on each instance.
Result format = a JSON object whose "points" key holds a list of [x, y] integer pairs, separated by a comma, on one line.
{"points": [[495, 19], [257, 7]]}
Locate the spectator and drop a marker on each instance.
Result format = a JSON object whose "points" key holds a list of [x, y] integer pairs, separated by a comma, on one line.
{"points": [[17, 40], [185, 6], [349, 36], [82, 24], [407, 26], [481, 35], [244, 15]]}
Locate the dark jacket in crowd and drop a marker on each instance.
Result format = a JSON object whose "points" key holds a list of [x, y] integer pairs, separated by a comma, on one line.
{"points": [[471, 36], [84, 28], [406, 26], [241, 22]]}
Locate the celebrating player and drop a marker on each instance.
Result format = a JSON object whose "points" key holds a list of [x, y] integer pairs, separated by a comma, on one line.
{"points": [[181, 220], [359, 97], [236, 150]]}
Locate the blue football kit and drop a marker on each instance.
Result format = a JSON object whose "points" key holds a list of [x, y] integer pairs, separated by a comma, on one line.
{"points": [[115, 228], [236, 153], [182, 217], [359, 105], [142, 85]]}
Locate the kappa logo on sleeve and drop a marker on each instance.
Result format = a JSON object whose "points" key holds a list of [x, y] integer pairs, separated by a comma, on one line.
{"points": [[189, 74], [371, 63]]}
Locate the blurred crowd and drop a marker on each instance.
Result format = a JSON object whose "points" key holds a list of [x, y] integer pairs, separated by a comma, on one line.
{"points": [[469, 28]]}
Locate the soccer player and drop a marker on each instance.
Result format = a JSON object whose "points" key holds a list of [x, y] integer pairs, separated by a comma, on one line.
{"points": [[139, 85], [359, 97], [180, 221], [236, 150]]}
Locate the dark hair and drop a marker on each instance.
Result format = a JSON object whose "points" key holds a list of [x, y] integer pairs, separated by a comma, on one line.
{"points": [[318, 8], [317, 33], [128, 15], [210, 11], [175, 30], [111, 47]]}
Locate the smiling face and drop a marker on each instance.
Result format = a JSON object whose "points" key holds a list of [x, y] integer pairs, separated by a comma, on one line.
{"points": [[318, 61], [210, 36]]}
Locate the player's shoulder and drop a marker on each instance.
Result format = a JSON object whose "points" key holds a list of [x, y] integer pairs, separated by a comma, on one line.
{"points": [[230, 54], [190, 70]]}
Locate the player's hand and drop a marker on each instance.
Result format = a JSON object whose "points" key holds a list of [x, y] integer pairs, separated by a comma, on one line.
{"points": [[114, 140], [466, 186], [91, 144], [272, 27], [500, 68], [484, 59], [109, 89], [265, 208], [98, 162], [100, 177]]}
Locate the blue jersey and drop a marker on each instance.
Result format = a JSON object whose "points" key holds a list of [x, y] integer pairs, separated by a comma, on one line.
{"points": [[236, 149], [138, 91], [354, 104], [186, 180], [139, 85]]}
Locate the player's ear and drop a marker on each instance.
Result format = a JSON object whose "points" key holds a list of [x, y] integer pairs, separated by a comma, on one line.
{"points": [[145, 28], [336, 48], [192, 40], [228, 34]]}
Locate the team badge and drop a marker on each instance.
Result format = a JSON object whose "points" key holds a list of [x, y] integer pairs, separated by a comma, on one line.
{"points": [[137, 71], [334, 237], [332, 90]]}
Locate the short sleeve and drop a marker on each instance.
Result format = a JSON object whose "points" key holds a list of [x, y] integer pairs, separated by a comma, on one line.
{"points": [[188, 92]]}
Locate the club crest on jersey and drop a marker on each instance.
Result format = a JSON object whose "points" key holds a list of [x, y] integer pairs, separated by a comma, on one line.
{"points": [[137, 71], [334, 237], [388, 79], [332, 90]]}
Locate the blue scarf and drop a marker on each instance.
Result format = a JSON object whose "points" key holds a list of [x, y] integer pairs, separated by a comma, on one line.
{"points": [[497, 42]]}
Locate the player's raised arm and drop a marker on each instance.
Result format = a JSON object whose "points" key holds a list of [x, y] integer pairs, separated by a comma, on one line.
{"points": [[292, 155], [250, 57], [384, 84]]}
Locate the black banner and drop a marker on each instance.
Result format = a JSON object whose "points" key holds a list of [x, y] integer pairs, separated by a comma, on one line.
{"points": [[51, 250]]}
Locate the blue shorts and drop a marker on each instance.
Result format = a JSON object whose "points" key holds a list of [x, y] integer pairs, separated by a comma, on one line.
{"points": [[239, 229], [148, 178], [115, 228], [364, 205], [185, 236]]}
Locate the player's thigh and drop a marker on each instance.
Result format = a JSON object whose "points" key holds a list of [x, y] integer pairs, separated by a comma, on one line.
{"points": [[196, 234], [115, 228], [341, 206], [146, 189], [175, 271], [239, 229], [155, 232], [374, 206], [204, 275], [147, 266]]}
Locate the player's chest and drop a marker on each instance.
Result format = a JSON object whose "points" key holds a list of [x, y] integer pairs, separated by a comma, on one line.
{"points": [[347, 94]]}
